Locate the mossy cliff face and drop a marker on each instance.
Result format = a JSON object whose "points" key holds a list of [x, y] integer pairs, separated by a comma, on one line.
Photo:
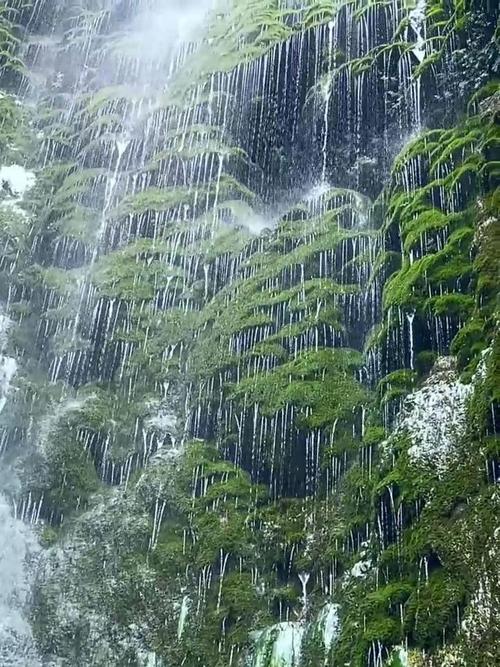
{"points": [[249, 351]]}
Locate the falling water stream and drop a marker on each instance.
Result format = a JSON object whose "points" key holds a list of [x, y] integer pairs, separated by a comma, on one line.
{"points": [[202, 224], [162, 35], [157, 44], [18, 547]]}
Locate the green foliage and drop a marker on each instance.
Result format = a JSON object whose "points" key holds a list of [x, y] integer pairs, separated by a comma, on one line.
{"points": [[320, 384], [72, 477], [396, 385], [9, 41], [374, 435], [136, 273], [425, 361], [432, 608], [200, 524], [15, 137]]}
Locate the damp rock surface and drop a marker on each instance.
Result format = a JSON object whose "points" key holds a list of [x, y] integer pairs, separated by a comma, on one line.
{"points": [[435, 416]]}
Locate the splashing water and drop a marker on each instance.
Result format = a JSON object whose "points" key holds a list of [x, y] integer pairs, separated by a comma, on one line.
{"points": [[160, 197], [18, 546]]}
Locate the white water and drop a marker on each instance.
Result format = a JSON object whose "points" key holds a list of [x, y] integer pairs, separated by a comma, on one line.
{"points": [[183, 616], [18, 179], [329, 622], [286, 639], [434, 417], [304, 578], [281, 645], [8, 365], [417, 22], [15, 181], [18, 546], [8, 368]]}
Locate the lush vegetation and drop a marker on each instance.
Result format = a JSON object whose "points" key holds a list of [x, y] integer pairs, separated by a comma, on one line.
{"points": [[229, 379]]}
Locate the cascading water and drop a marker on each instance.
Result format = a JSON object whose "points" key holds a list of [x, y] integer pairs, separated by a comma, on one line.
{"points": [[18, 546], [221, 286]]}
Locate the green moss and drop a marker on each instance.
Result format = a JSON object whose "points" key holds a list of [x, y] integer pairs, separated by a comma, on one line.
{"points": [[426, 222], [396, 385], [209, 527], [167, 199], [374, 435], [408, 288], [424, 361], [169, 554], [15, 134], [460, 305], [485, 92], [320, 383], [468, 342], [384, 630], [486, 396], [72, 477], [49, 536], [137, 273], [432, 609]]}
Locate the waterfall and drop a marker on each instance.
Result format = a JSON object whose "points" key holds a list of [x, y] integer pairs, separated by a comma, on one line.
{"points": [[241, 245], [18, 546]]}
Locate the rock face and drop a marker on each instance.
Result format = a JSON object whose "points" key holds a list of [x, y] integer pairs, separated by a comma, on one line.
{"points": [[435, 417], [249, 350]]}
